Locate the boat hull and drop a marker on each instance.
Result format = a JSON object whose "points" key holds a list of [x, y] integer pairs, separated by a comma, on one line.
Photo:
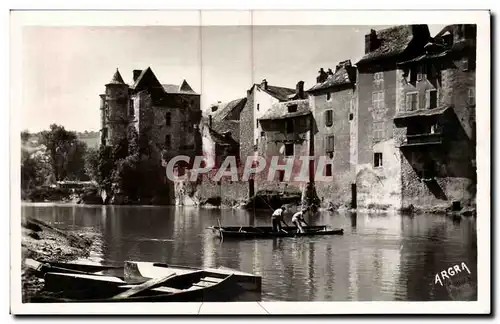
{"points": [[267, 232]]}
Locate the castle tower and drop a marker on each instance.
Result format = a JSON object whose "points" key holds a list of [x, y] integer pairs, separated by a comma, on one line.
{"points": [[116, 110]]}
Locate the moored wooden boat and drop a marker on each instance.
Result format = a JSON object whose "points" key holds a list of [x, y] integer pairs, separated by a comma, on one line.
{"points": [[138, 272], [196, 286], [244, 232]]}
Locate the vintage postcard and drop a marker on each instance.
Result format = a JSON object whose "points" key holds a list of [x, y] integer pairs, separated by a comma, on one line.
{"points": [[250, 162]]}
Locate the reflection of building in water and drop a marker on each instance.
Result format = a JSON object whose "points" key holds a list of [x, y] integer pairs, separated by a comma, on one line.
{"points": [[374, 264], [436, 245]]}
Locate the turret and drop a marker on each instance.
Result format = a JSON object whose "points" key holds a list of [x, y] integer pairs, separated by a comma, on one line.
{"points": [[117, 99]]}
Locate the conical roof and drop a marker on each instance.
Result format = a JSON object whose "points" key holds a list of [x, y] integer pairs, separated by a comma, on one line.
{"points": [[117, 78]]}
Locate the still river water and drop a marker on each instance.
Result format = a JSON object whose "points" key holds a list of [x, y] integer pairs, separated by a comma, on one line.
{"points": [[379, 257]]}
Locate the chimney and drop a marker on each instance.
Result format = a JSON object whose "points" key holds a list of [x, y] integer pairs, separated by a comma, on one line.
{"points": [[299, 89], [136, 74], [371, 41], [344, 64], [210, 121], [322, 76], [263, 84]]}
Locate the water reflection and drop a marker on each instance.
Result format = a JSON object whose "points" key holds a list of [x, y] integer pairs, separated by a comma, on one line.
{"points": [[380, 256]]}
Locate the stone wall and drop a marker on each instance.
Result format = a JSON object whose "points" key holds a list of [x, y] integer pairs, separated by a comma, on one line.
{"points": [[377, 185], [340, 102], [455, 174], [247, 127]]}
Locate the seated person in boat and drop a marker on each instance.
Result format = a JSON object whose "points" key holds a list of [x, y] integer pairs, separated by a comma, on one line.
{"points": [[277, 219], [298, 219]]}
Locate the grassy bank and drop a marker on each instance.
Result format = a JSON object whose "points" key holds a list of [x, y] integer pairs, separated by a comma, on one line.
{"points": [[43, 242]]}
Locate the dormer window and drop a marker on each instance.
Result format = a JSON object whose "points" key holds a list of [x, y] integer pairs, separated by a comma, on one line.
{"points": [[292, 108]]}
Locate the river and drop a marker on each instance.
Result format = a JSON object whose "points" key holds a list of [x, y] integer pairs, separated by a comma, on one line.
{"points": [[387, 257]]}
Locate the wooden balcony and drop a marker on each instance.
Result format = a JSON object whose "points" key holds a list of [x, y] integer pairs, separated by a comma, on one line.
{"points": [[423, 139]]}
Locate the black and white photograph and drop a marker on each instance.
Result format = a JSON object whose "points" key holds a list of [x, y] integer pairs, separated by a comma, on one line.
{"points": [[274, 164]]}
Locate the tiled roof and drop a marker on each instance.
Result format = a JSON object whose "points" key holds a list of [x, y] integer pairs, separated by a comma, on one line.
{"points": [[280, 110], [225, 108], [392, 41], [279, 93], [341, 77], [422, 112], [174, 88], [222, 139], [232, 126], [117, 78]]}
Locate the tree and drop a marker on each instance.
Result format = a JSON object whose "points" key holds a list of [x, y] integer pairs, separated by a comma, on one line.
{"points": [[25, 136], [75, 163], [92, 163], [59, 143]]}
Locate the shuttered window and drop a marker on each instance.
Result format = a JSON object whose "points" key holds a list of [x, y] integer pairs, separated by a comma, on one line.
{"points": [[330, 144], [412, 101], [431, 98], [328, 118]]}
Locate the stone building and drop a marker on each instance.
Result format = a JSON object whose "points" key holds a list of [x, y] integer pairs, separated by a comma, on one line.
{"points": [[286, 137], [165, 116], [378, 160], [332, 101], [435, 121], [260, 98]]}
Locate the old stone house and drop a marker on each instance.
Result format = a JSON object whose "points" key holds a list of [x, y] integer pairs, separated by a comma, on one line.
{"points": [[285, 137], [332, 101], [166, 116], [378, 173], [260, 98], [435, 121]]}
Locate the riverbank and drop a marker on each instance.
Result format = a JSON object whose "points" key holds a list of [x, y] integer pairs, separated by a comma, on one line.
{"points": [[43, 242]]}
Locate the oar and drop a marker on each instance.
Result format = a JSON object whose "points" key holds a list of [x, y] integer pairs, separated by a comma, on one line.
{"points": [[155, 282]]}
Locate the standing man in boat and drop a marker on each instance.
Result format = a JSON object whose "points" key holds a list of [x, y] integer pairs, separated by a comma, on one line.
{"points": [[298, 219], [277, 218]]}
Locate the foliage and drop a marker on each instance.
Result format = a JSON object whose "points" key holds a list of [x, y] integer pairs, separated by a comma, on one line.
{"points": [[105, 167], [35, 169], [25, 136], [75, 163], [91, 164], [59, 143]]}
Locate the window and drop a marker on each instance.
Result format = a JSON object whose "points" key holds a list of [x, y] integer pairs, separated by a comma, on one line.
{"points": [[289, 149], [351, 116], [378, 79], [328, 96], [289, 126], [330, 144], [378, 100], [262, 134], [292, 108], [328, 170], [347, 105], [167, 141], [330, 155], [328, 118], [281, 175], [377, 159], [412, 101], [377, 76], [258, 106], [471, 98], [432, 97], [168, 119], [378, 130], [420, 74]]}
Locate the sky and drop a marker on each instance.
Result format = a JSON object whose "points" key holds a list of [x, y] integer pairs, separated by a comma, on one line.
{"points": [[64, 69]]}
